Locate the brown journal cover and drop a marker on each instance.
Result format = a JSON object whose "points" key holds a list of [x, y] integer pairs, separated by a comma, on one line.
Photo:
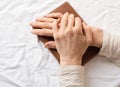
{"points": [[91, 51]]}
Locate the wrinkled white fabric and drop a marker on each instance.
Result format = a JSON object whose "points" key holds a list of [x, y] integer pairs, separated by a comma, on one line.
{"points": [[71, 76], [111, 47], [26, 63]]}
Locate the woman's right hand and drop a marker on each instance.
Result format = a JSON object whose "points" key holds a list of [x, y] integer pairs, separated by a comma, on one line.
{"points": [[71, 42]]}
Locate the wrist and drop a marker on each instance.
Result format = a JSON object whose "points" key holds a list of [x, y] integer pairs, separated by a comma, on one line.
{"points": [[71, 62], [97, 37]]}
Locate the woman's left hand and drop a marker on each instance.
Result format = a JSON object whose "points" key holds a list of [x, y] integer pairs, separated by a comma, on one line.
{"points": [[42, 26]]}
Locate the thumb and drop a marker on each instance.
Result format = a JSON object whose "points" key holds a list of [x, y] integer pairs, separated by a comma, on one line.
{"points": [[55, 29], [55, 26], [50, 44], [88, 33]]}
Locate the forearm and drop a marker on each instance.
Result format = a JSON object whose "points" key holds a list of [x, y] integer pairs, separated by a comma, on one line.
{"points": [[111, 47], [71, 76], [109, 44]]}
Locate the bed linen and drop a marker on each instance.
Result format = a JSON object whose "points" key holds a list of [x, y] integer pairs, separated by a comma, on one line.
{"points": [[24, 62]]}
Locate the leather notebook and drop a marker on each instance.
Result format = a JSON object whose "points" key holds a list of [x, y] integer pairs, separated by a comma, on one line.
{"points": [[91, 51]]}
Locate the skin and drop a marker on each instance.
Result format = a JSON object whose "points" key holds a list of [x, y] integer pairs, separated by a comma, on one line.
{"points": [[97, 34], [65, 32], [69, 32]]}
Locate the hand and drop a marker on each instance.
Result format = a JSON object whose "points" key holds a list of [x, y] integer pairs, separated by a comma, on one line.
{"points": [[46, 24], [43, 25], [71, 42]]}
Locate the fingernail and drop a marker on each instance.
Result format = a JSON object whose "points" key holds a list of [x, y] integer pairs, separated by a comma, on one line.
{"points": [[37, 19], [66, 12], [31, 24], [58, 19], [47, 15], [32, 31], [46, 46], [59, 24], [84, 23]]}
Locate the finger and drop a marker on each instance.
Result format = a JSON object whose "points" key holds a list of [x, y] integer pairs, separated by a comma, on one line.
{"points": [[70, 21], [50, 44], [54, 15], [59, 25], [43, 32], [64, 21], [78, 25], [44, 19], [55, 27], [88, 33], [41, 25]]}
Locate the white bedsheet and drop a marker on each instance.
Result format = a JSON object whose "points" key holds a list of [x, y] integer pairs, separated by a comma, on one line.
{"points": [[26, 63]]}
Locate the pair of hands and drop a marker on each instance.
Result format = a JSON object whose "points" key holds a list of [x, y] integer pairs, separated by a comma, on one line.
{"points": [[72, 37]]}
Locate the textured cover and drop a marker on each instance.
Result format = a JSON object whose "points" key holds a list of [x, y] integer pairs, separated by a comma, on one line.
{"points": [[91, 51]]}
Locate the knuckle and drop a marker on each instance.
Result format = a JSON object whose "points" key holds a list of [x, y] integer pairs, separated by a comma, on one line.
{"points": [[51, 24], [72, 15], [44, 31], [45, 24], [77, 31], [56, 37], [41, 17], [65, 19], [50, 19], [61, 35], [59, 14], [89, 41], [88, 27], [51, 14], [41, 25], [77, 18], [69, 33]]}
